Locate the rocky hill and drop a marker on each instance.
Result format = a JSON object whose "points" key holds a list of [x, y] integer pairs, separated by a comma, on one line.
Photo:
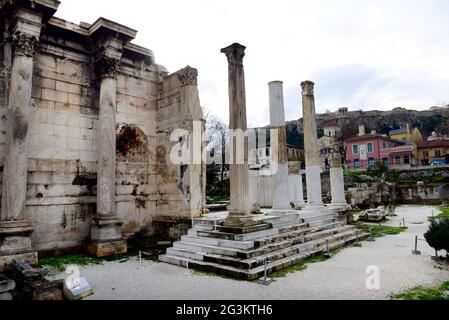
{"points": [[428, 121]]}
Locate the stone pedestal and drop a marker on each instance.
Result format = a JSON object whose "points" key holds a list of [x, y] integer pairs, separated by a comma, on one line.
{"points": [[338, 186], [15, 231], [311, 146], [239, 208], [296, 189], [279, 163]]}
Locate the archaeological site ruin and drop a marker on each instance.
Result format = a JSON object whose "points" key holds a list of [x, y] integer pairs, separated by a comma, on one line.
{"points": [[85, 122]]}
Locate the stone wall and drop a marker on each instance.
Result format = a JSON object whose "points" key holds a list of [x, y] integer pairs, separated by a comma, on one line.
{"points": [[62, 139], [181, 186]]}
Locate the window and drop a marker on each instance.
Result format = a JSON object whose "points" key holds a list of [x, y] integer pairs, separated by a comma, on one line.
{"points": [[426, 154], [267, 152], [397, 160], [386, 162], [437, 153], [370, 148], [371, 162], [357, 164], [406, 160], [355, 149]]}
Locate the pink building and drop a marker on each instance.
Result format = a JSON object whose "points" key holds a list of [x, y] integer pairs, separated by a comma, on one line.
{"points": [[368, 149]]}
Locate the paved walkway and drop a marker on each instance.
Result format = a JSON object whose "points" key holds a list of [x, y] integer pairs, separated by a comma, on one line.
{"points": [[342, 277]]}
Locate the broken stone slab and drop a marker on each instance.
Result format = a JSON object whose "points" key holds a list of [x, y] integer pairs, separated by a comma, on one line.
{"points": [[374, 215], [31, 283]]}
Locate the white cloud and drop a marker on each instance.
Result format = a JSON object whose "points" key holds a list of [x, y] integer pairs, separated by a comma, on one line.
{"points": [[361, 53]]}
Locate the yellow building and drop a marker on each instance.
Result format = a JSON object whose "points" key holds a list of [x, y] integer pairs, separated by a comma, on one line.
{"points": [[407, 135], [432, 152]]}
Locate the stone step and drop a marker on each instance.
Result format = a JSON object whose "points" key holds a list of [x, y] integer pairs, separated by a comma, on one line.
{"points": [[279, 251], [258, 272], [283, 218], [243, 245], [316, 217], [203, 248], [295, 227], [318, 223], [283, 224], [326, 233], [301, 231]]}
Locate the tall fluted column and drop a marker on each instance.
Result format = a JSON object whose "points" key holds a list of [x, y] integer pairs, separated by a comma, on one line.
{"points": [[106, 238], [311, 146], [239, 209], [15, 230], [279, 166]]}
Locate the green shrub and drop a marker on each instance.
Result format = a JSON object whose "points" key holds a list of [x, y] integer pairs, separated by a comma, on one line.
{"points": [[438, 235]]}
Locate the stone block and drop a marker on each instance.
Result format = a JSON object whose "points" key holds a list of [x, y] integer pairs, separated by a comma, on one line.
{"points": [[6, 296], [124, 190], [31, 258], [102, 250], [68, 87]]}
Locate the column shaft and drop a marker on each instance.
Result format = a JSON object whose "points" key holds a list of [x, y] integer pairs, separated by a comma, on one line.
{"points": [[106, 237], [239, 209], [311, 146], [279, 165], [15, 230]]}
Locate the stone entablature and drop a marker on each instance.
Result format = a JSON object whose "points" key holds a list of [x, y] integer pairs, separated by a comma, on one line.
{"points": [[69, 64]]}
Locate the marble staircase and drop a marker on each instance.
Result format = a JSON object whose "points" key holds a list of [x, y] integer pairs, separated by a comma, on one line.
{"points": [[288, 239]]}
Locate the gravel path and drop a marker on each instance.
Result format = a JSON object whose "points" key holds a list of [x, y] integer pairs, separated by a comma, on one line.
{"points": [[342, 277]]}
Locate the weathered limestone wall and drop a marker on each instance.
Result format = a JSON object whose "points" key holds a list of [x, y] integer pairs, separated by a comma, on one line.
{"points": [[62, 165], [181, 186]]}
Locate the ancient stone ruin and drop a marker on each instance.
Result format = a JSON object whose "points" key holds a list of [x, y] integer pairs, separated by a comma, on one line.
{"points": [[247, 246], [85, 123]]}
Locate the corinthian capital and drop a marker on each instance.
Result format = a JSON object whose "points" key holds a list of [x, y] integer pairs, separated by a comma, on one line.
{"points": [[107, 67], [308, 88], [235, 54], [24, 44], [188, 76]]}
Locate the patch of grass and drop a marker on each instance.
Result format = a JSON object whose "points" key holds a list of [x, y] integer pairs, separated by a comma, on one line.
{"points": [[443, 215], [440, 292], [386, 230], [59, 264], [303, 265]]}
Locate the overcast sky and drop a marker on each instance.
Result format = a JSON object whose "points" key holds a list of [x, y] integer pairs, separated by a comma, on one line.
{"points": [[362, 54]]}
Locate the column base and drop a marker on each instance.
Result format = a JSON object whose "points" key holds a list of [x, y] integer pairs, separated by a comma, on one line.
{"points": [[107, 249], [15, 243], [240, 221], [30, 257], [300, 205], [339, 206], [106, 237]]}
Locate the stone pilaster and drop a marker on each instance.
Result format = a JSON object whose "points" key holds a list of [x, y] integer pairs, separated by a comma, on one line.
{"points": [[106, 237], [239, 209], [279, 164], [15, 230], [311, 146]]}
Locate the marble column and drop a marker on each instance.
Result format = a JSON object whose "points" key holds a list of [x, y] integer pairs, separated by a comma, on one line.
{"points": [[239, 208], [106, 238], [311, 146], [337, 182], [15, 230], [279, 164]]}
